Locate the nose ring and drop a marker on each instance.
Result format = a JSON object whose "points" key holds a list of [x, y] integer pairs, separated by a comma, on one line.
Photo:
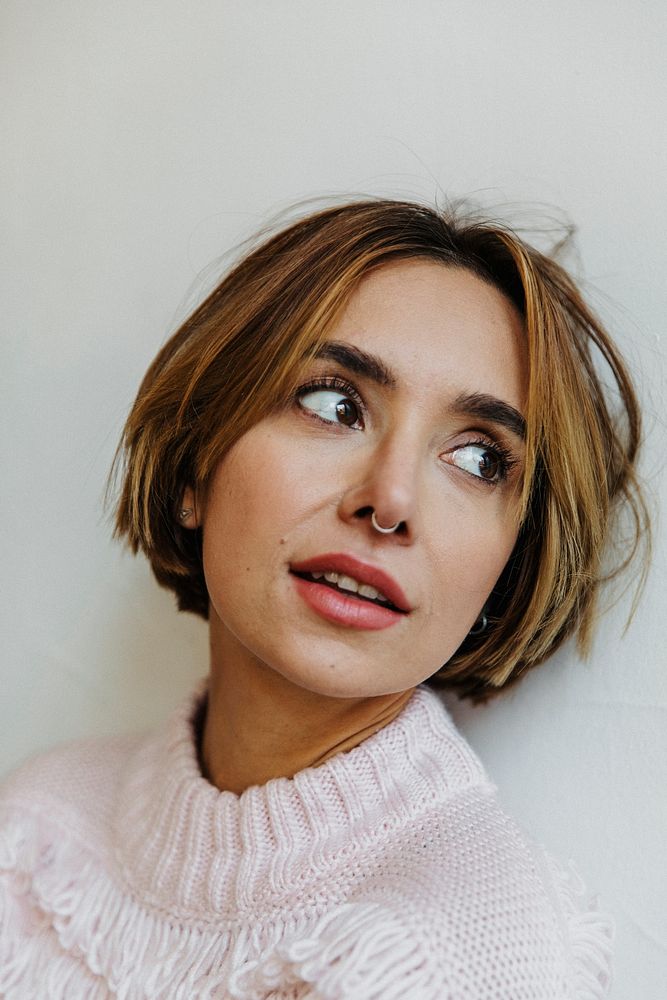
{"points": [[378, 527]]}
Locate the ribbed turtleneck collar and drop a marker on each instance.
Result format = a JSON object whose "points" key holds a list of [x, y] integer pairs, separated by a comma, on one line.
{"points": [[188, 848]]}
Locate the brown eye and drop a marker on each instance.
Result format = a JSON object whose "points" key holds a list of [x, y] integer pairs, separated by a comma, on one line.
{"points": [[489, 465], [481, 461], [347, 412], [332, 406]]}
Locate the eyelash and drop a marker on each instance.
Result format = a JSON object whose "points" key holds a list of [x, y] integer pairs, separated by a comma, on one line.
{"points": [[505, 456]]}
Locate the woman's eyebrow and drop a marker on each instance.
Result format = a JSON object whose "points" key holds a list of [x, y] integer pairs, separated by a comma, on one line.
{"points": [[357, 361], [474, 404], [486, 407]]}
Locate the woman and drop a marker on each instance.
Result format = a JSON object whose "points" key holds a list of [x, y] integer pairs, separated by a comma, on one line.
{"points": [[379, 460]]}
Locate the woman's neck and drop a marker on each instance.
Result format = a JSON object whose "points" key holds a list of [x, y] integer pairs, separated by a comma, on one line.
{"points": [[259, 725]]}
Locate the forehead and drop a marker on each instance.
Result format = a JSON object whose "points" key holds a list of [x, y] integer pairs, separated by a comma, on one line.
{"points": [[441, 326]]}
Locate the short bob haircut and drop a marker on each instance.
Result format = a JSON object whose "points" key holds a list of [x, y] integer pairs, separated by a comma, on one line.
{"points": [[241, 353]]}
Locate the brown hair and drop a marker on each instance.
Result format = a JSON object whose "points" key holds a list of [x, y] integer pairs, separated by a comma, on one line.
{"points": [[242, 350]]}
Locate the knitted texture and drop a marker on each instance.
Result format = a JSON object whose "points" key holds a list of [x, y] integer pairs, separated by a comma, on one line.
{"points": [[390, 871]]}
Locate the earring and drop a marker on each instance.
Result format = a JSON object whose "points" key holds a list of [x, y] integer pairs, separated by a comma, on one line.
{"points": [[480, 625], [182, 514]]}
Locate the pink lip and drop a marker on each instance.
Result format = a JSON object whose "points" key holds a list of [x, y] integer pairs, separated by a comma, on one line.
{"points": [[344, 609], [341, 562]]}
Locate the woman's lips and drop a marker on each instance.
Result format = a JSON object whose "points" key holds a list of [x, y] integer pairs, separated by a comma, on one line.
{"points": [[343, 562], [344, 609]]}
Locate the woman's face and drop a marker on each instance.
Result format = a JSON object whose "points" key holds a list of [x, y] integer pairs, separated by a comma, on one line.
{"points": [[413, 412]]}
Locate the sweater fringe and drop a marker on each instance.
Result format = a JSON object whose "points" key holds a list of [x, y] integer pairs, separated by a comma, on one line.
{"points": [[591, 933], [67, 929], [359, 950]]}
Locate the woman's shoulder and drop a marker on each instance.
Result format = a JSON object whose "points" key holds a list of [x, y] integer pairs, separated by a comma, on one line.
{"points": [[71, 785], [478, 899], [414, 940], [492, 898], [500, 923], [55, 819]]}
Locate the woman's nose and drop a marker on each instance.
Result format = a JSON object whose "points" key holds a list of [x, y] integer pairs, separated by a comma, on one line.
{"points": [[384, 482]]}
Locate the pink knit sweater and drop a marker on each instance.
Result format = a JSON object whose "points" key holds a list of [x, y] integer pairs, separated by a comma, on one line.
{"points": [[390, 871]]}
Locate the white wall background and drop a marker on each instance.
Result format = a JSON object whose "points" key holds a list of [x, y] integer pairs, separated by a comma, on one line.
{"points": [[143, 140]]}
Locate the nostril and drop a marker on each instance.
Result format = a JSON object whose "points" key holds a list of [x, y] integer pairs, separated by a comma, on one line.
{"points": [[363, 512]]}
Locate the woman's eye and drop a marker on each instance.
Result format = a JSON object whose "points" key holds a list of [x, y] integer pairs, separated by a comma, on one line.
{"points": [[481, 461], [332, 406]]}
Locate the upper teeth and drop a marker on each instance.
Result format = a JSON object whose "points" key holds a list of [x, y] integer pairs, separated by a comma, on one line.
{"points": [[349, 583]]}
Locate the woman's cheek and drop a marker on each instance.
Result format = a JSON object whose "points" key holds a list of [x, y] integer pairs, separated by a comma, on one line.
{"points": [[468, 567]]}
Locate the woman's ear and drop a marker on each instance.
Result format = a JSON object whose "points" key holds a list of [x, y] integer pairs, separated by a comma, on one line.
{"points": [[188, 515]]}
